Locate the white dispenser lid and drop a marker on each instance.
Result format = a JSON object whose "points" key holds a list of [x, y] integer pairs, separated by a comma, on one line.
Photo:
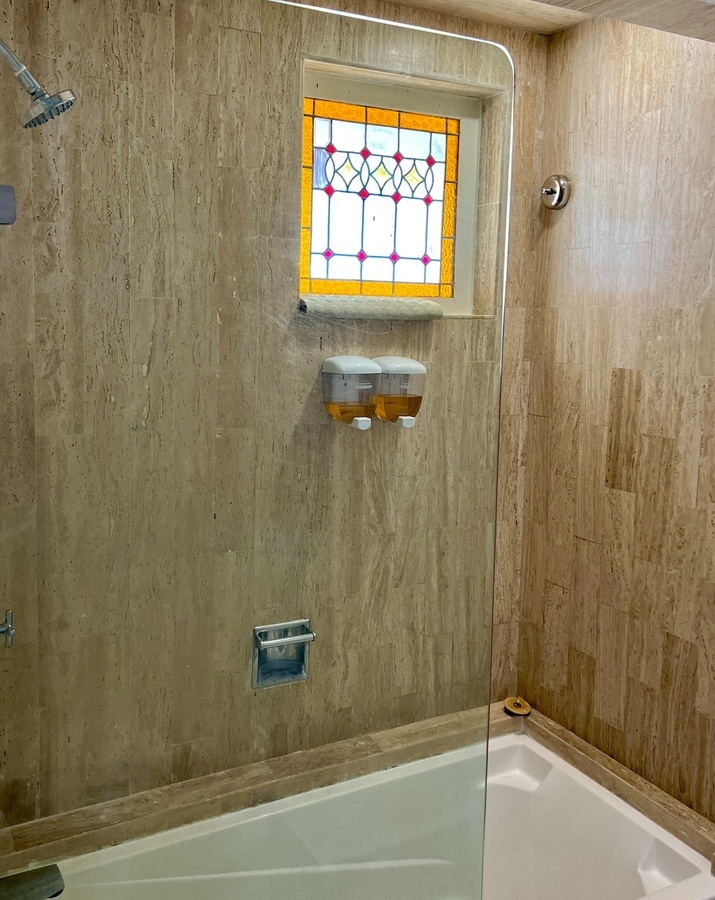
{"points": [[400, 365], [351, 365]]}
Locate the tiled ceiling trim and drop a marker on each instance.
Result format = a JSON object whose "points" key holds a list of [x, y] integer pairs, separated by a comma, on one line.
{"points": [[694, 18], [529, 15]]}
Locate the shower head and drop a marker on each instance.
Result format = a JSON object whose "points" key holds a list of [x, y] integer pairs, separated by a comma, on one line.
{"points": [[44, 107]]}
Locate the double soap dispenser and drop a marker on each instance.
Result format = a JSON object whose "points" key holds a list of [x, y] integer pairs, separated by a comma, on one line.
{"points": [[390, 387]]}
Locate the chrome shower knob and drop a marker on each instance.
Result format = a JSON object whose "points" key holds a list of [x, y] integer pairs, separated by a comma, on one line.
{"points": [[7, 629], [556, 192]]}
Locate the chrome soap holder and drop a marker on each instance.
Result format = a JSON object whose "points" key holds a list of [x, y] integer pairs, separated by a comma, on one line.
{"points": [[281, 653]]}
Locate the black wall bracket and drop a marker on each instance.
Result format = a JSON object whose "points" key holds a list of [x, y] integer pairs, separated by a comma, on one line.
{"points": [[8, 213]]}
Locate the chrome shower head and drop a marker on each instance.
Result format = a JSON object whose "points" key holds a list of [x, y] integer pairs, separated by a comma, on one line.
{"points": [[45, 108]]}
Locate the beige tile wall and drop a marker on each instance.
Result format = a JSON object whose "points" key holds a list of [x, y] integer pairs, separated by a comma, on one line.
{"points": [[618, 610], [168, 477]]}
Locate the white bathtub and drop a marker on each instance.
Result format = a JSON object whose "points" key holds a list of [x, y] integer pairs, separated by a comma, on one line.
{"points": [[414, 833], [553, 834]]}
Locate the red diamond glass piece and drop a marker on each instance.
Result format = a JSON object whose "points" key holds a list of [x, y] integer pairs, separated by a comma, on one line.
{"points": [[329, 190], [331, 148], [430, 160], [426, 259], [394, 257], [398, 156], [327, 253], [397, 196], [428, 199], [364, 153], [363, 193], [362, 256]]}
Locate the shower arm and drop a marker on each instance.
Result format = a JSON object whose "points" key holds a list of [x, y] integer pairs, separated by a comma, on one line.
{"points": [[22, 73]]}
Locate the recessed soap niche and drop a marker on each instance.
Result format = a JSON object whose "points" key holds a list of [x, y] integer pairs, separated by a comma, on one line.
{"points": [[281, 653]]}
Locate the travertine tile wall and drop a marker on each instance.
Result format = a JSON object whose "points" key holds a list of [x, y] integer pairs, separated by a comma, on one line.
{"points": [[617, 634], [168, 477]]}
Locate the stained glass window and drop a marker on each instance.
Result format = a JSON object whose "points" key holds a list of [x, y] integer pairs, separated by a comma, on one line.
{"points": [[379, 199]]}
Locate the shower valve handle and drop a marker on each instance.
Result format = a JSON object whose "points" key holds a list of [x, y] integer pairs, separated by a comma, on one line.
{"points": [[7, 629]]}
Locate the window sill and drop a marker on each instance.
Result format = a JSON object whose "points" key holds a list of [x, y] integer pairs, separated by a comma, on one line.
{"points": [[374, 308], [334, 306]]}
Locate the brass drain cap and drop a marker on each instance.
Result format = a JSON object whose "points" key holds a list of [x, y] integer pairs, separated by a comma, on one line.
{"points": [[516, 706]]}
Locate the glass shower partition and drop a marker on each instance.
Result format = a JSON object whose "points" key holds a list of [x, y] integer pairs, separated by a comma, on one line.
{"points": [[389, 536], [192, 233]]}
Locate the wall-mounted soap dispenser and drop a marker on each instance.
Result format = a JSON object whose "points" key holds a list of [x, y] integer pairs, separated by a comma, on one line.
{"points": [[349, 388], [400, 389]]}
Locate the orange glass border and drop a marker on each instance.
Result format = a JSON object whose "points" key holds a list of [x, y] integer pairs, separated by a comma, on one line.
{"points": [[373, 288], [350, 112], [306, 196]]}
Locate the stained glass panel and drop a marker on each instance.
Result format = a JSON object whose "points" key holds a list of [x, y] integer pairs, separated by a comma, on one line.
{"points": [[379, 201]]}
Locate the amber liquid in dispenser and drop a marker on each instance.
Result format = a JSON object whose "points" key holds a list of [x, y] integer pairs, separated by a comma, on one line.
{"points": [[389, 409], [346, 412]]}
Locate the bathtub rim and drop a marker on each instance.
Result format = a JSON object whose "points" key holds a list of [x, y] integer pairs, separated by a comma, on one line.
{"points": [[692, 887], [79, 832], [226, 821], [67, 835]]}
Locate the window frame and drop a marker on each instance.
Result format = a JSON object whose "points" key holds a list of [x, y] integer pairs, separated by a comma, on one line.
{"points": [[369, 88]]}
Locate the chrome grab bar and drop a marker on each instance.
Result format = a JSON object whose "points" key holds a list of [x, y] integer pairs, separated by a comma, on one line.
{"points": [[267, 643]]}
